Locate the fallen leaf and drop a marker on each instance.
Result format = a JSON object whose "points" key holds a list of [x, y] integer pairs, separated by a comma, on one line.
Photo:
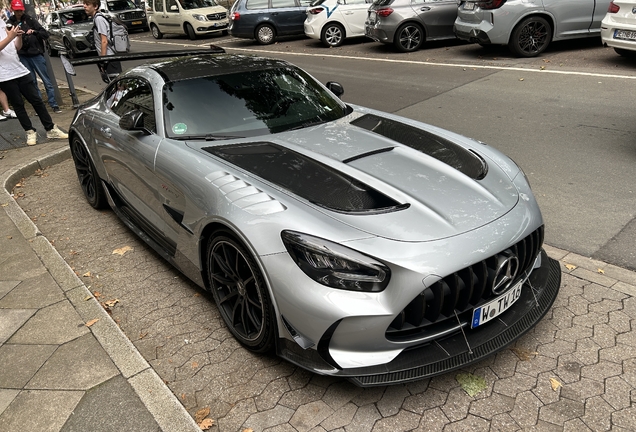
{"points": [[520, 79], [9, 237], [206, 424], [195, 365], [555, 384], [183, 396], [111, 303], [97, 294], [542, 68], [87, 274], [200, 415], [143, 335], [91, 322], [601, 271], [570, 266], [248, 430], [121, 251], [472, 384], [524, 354], [5, 204], [87, 298]]}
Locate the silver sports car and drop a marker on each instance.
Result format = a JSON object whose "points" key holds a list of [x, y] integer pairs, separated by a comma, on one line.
{"points": [[353, 242]]}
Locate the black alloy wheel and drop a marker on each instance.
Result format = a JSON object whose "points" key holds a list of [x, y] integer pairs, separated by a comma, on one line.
{"points": [[87, 175], [531, 37], [240, 293], [408, 37], [265, 34], [69, 49], [333, 35], [155, 32], [190, 31]]}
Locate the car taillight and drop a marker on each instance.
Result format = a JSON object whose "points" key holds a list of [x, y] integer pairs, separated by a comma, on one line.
{"points": [[385, 12], [490, 4], [315, 11], [613, 8], [235, 16]]}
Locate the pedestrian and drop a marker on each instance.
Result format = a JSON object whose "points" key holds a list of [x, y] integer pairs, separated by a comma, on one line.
{"points": [[7, 113], [31, 53], [16, 82], [101, 36]]}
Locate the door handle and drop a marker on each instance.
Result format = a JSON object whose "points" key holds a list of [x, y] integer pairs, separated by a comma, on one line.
{"points": [[425, 8], [105, 131]]}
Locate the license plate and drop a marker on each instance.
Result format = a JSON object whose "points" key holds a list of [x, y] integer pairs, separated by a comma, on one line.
{"points": [[469, 6], [496, 307], [136, 22], [624, 34]]}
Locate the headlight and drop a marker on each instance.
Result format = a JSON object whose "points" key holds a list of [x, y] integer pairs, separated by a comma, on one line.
{"points": [[74, 34], [334, 265], [122, 16], [143, 14], [199, 17]]}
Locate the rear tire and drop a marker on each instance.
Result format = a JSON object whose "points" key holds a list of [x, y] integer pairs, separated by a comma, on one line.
{"points": [[265, 34], [409, 37], [87, 175], [332, 35], [531, 37], [190, 31], [156, 33]]}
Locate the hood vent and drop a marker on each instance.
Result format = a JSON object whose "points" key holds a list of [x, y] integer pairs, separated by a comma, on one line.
{"points": [[307, 178], [463, 160]]}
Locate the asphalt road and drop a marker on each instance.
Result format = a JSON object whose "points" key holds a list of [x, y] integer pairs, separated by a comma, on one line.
{"points": [[565, 117]]}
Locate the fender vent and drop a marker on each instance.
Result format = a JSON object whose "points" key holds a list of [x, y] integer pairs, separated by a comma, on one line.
{"points": [[305, 177], [463, 160]]}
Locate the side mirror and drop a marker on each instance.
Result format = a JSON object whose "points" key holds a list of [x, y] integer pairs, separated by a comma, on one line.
{"points": [[174, 8], [133, 121], [336, 88]]}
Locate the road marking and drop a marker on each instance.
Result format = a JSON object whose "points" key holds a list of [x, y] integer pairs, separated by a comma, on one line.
{"points": [[416, 62]]}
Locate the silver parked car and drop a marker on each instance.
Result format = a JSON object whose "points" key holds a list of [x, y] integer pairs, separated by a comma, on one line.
{"points": [[68, 29], [528, 27], [353, 242], [407, 24]]}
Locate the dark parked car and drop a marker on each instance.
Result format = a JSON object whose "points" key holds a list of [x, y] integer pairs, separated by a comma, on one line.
{"points": [[354, 242], [264, 20], [133, 17], [407, 24], [68, 29]]}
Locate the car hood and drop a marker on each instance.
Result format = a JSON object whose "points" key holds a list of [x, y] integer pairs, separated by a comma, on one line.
{"points": [[83, 27], [368, 178], [205, 10]]}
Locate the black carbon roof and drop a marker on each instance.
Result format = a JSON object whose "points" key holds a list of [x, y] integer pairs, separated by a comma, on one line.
{"points": [[183, 68]]}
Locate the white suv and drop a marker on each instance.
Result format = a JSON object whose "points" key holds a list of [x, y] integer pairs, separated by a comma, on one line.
{"points": [[190, 17], [332, 21]]}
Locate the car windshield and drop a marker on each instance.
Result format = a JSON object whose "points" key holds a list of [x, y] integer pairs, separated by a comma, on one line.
{"points": [[247, 104], [118, 5], [196, 4], [73, 17]]}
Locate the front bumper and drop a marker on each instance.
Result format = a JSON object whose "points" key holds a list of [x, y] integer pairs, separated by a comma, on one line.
{"points": [[453, 352], [202, 28]]}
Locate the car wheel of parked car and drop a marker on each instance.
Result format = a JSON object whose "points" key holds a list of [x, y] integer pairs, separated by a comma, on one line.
{"points": [[625, 53], [408, 37], [333, 35], [155, 32], [265, 34], [69, 49], [87, 175], [50, 51], [240, 292], [190, 31], [531, 37]]}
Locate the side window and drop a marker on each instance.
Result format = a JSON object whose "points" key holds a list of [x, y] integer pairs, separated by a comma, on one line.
{"points": [[130, 94], [172, 6], [257, 4], [158, 5], [305, 3], [55, 18], [283, 3]]}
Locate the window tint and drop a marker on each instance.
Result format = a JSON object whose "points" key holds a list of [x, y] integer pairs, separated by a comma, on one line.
{"points": [[72, 17], [197, 4], [257, 4], [283, 3], [118, 5], [130, 94], [159, 5]]}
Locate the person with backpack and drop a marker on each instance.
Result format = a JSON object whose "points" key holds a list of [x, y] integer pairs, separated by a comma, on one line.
{"points": [[31, 54], [102, 36]]}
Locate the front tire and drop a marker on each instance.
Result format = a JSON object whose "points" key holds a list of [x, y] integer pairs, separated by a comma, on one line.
{"points": [[87, 175], [408, 37], [240, 292], [190, 31], [531, 37], [69, 49], [332, 35], [50, 51], [156, 33], [265, 34]]}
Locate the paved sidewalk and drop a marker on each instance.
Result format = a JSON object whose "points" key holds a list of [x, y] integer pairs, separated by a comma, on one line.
{"points": [[57, 371]]}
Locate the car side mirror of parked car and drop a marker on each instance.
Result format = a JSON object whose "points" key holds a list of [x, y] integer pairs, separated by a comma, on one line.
{"points": [[336, 88], [133, 121], [174, 8]]}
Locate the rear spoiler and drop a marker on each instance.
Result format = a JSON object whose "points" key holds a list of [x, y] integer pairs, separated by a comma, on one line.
{"points": [[70, 70]]}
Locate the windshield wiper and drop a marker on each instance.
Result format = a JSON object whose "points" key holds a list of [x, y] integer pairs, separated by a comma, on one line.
{"points": [[307, 124], [207, 137]]}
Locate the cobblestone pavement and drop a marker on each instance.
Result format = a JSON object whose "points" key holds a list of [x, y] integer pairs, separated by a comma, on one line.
{"points": [[575, 371]]}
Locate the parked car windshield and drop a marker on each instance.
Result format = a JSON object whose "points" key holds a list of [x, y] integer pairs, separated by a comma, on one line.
{"points": [[196, 4], [119, 5], [247, 104], [73, 17]]}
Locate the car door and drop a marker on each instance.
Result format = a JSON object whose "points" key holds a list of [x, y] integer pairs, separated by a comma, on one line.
{"points": [[354, 13], [159, 16], [288, 16], [438, 17], [129, 156], [572, 17], [173, 20]]}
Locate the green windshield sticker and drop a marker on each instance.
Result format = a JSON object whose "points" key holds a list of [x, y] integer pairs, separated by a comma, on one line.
{"points": [[179, 128]]}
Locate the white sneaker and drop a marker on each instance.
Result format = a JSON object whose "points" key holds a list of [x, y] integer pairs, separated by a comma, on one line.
{"points": [[32, 137], [56, 133], [2, 118], [9, 114]]}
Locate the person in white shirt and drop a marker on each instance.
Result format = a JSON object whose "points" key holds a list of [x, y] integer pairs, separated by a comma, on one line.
{"points": [[16, 82]]}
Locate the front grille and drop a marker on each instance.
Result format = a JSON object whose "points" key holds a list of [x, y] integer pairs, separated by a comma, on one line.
{"points": [[133, 15], [216, 16], [432, 313]]}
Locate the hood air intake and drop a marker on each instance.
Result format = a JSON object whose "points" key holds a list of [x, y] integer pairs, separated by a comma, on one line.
{"points": [[463, 160]]}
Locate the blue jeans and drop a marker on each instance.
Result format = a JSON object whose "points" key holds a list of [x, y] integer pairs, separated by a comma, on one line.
{"points": [[37, 64]]}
